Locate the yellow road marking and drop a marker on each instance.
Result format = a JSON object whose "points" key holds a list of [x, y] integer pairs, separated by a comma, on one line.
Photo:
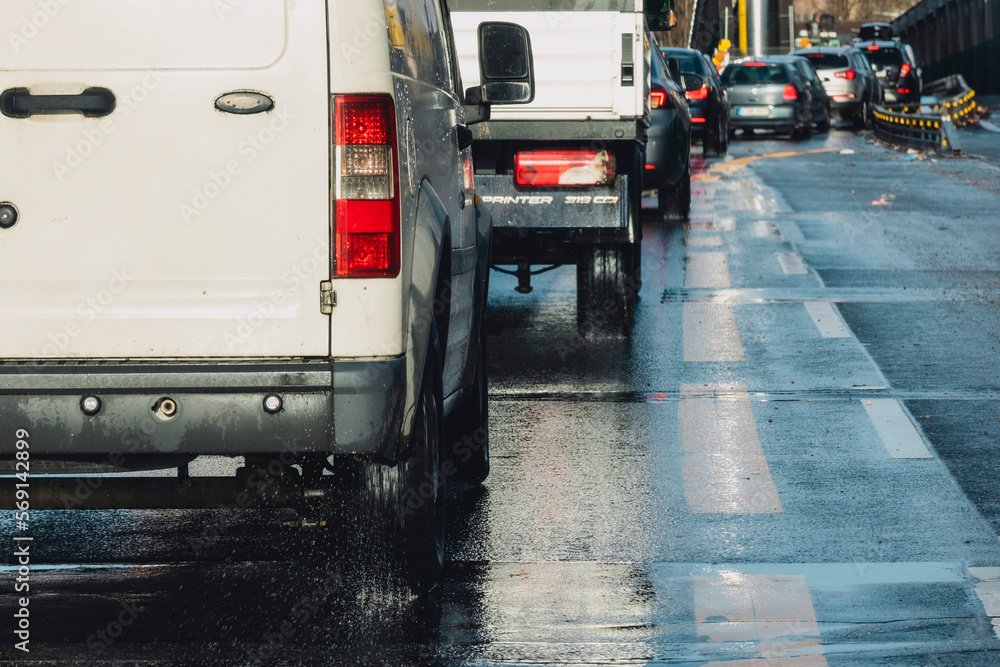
{"points": [[707, 269], [710, 333], [733, 165], [774, 614], [725, 471]]}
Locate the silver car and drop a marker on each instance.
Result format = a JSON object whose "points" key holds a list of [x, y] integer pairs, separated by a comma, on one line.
{"points": [[848, 80]]}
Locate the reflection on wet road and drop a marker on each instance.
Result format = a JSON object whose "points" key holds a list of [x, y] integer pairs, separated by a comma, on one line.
{"points": [[791, 462]]}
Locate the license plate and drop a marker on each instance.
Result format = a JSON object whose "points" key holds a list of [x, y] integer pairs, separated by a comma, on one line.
{"points": [[755, 112]]}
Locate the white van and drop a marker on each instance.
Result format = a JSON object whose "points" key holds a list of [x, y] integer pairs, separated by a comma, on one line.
{"points": [[248, 228]]}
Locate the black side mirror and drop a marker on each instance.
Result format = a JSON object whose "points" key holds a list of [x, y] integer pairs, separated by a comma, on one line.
{"points": [[506, 69], [692, 82]]}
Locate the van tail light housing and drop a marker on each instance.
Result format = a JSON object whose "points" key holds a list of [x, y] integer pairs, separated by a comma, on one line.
{"points": [[657, 98], [365, 187], [699, 94], [846, 74], [904, 71], [790, 93], [564, 166]]}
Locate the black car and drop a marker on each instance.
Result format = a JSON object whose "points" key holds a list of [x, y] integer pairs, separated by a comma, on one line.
{"points": [[769, 93], [820, 99], [668, 146], [849, 81], [709, 101], [896, 67]]}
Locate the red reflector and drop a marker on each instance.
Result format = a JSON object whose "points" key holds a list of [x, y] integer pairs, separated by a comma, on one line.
{"points": [[753, 64], [367, 243], [564, 167], [657, 99], [790, 93], [848, 74], [904, 70], [700, 94], [873, 47], [695, 119]]}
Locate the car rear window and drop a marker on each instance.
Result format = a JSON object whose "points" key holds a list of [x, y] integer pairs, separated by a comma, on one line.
{"points": [[828, 60], [884, 57], [740, 75], [690, 62]]}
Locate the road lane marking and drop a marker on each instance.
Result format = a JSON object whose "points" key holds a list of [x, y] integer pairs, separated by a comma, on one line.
{"points": [[767, 613], [725, 471], [827, 320], [896, 429], [710, 333], [988, 590], [702, 241], [707, 269], [791, 264], [791, 231]]}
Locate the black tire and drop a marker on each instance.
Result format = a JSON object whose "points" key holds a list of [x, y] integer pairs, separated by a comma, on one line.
{"points": [[682, 195], [824, 125], [605, 290], [467, 428], [393, 514], [862, 119]]}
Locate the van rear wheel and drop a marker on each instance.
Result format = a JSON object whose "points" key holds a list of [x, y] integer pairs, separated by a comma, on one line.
{"points": [[393, 522], [605, 291]]}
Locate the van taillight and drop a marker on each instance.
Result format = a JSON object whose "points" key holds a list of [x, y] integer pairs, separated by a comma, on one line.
{"points": [[790, 94], [564, 167], [366, 187]]}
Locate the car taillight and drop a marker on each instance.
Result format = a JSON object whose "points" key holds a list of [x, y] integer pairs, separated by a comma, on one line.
{"points": [[700, 94], [657, 99], [564, 167], [366, 187], [790, 93], [904, 71], [904, 91], [695, 119], [847, 74], [753, 64], [873, 47]]}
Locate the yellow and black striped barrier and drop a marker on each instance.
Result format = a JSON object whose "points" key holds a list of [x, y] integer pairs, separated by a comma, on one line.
{"points": [[920, 131]]}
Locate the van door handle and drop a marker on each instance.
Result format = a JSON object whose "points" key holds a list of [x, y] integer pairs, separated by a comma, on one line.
{"points": [[91, 103]]}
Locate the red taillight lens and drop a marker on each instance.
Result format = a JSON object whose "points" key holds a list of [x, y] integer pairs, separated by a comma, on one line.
{"points": [[366, 187], [873, 47], [790, 93], [753, 64], [847, 74], [695, 119], [904, 91], [563, 167], [657, 99], [904, 70], [700, 94]]}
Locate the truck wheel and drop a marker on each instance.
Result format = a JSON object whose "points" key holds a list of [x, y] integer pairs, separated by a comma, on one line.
{"points": [[467, 427], [605, 292], [393, 515]]}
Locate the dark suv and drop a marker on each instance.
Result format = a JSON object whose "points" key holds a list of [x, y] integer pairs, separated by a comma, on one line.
{"points": [[896, 67]]}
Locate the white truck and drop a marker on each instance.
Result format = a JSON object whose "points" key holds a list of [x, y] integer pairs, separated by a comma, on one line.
{"points": [[247, 229], [562, 176]]}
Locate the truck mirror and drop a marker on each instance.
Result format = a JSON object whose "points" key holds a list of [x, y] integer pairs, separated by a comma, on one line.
{"points": [[505, 65]]}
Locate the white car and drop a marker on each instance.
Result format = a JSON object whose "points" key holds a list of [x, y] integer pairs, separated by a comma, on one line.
{"points": [[247, 229]]}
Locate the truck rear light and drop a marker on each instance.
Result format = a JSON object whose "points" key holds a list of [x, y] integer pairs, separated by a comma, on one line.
{"points": [[657, 99], [365, 188], [846, 74], [699, 94], [563, 167], [790, 93]]}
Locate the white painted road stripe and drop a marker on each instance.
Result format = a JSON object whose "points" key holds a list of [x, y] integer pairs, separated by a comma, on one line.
{"points": [[710, 333], [988, 590], [703, 241], [791, 263], [770, 614], [827, 320], [707, 269], [725, 471], [896, 429]]}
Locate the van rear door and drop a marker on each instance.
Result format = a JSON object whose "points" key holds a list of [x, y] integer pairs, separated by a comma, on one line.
{"points": [[167, 227]]}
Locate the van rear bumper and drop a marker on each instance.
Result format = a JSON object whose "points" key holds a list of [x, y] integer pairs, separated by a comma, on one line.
{"points": [[326, 406]]}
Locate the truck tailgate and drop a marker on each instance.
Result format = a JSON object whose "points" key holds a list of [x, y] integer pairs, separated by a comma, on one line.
{"points": [[167, 228]]}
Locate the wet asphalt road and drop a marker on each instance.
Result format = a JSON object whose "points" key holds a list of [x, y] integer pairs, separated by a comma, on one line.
{"points": [[792, 462]]}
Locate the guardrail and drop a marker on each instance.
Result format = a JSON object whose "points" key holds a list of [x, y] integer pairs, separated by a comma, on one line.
{"points": [[931, 126]]}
